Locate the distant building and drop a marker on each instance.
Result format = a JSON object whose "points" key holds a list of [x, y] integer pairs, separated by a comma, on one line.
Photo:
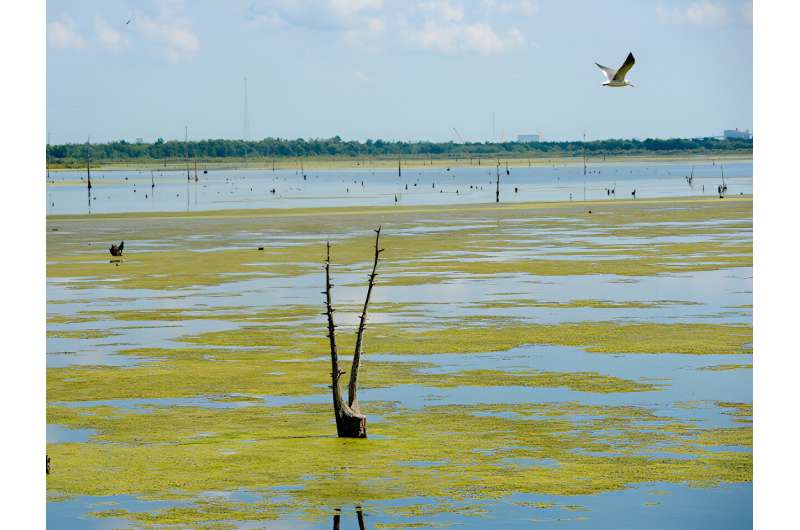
{"points": [[736, 134], [140, 140], [527, 138]]}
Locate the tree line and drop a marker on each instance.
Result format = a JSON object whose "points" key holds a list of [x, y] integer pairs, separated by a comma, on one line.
{"points": [[336, 147]]}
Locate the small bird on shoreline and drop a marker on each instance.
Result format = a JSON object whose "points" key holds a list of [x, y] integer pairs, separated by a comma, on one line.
{"points": [[116, 250]]}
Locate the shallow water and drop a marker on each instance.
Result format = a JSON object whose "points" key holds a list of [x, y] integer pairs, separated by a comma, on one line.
{"points": [[687, 390], [113, 191], [707, 296], [647, 506]]}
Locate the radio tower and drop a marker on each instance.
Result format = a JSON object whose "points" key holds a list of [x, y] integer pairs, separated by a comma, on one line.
{"points": [[246, 126]]}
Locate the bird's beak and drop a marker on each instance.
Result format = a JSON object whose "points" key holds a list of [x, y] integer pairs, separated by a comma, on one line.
{"points": [[631, 84]]}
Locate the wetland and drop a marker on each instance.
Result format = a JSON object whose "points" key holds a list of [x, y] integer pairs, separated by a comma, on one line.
{"points": [[541, 361]]}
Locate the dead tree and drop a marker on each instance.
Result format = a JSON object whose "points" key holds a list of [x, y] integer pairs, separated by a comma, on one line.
{"points": [[350, 423], [497, 179]]}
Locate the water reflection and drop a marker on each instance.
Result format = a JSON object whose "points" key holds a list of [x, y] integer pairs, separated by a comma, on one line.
{"points": [[337, 514]]}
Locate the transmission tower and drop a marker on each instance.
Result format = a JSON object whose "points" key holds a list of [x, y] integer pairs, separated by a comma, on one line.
{"points": [[246, 126]]}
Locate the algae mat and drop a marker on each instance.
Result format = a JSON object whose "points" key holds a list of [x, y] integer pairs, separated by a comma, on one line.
{"points": [[525, 363]]}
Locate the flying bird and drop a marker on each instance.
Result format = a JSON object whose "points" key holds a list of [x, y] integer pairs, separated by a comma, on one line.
{"points": [[616, 78]]}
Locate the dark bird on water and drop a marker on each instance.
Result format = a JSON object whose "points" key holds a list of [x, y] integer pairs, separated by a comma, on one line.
{"points": [[116, 250]]}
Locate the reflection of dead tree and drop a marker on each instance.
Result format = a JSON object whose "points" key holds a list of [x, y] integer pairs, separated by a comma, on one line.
{"points": [[337, 516], [350, 423]]}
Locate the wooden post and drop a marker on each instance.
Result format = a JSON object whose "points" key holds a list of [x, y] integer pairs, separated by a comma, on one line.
{"points": [[186, 152], [88, 170], [497, 191]]}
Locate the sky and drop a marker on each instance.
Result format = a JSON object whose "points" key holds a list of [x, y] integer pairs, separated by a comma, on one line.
{"points": [[395, 69]]}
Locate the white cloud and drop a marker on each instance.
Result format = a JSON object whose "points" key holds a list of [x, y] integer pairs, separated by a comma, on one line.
{"points": [[168, 29], [319, 15], [707, 12], [361, 36], [443, 9], [108, 36], [477, 37], [351, 7], [699, 13], [360, 76], [63, 33], [443, 26], [520, 7]]}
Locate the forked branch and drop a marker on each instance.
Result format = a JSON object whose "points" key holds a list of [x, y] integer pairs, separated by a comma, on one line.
{"points": [[352, 398]]}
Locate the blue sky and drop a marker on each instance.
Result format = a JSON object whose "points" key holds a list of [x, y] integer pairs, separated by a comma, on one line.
{"points": [[393, 69]]}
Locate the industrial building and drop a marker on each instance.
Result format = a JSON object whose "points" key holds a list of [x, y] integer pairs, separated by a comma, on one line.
{"points": [[736, 134], [527, 138]]}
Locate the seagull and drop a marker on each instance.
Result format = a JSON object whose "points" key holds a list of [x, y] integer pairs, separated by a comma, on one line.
{"points": [[616, 78]]}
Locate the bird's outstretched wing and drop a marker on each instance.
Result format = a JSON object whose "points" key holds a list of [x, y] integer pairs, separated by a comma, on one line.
{"points": [[608, 72], [627, 65]]}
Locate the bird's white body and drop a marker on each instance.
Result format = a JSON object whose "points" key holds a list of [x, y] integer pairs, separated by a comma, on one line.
{"points": [[616, 78]]}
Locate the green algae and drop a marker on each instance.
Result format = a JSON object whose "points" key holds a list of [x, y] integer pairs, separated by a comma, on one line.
{"points": [[149, 454], [181, 453], [259, 374], [204, 513], [260, 371], [727, 367], [80, 333], [742, 411], [410, 256], [581, 303], [282, 314], [482, 334]]}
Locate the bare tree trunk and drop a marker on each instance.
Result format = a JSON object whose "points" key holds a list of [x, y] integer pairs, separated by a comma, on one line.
{"points": [[349, 424], [352, 399], [497, 180]]}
